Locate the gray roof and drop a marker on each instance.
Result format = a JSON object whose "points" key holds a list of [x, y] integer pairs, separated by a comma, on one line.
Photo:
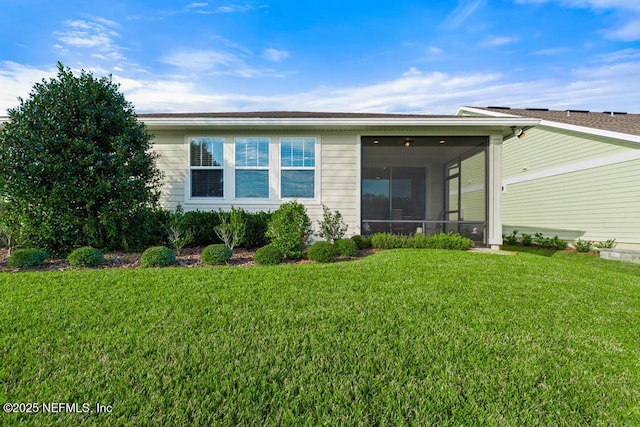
{"points": [[608, 120]]}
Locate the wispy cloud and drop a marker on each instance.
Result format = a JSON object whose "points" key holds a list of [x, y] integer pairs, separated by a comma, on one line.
{"points": [[498, 41], [275, 55], [216, 62], [97, 34], [461, 13], [551, 51]]}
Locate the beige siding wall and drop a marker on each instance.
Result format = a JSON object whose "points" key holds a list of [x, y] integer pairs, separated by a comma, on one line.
{"points": [[337, 165], [597, 197]]}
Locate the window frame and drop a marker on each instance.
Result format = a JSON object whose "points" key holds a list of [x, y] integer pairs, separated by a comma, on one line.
{"points": [[266, 168], [315, 168], [192, 168]]}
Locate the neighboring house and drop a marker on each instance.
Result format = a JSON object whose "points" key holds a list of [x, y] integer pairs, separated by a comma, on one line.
{"points": [[383, 172], [575, 175]]}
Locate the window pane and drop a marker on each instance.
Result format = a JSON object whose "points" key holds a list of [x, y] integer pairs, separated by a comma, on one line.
{"points": [[207, 183], [297, 152], [206, 151], [252, 183], [252, 152], [298, 183]]}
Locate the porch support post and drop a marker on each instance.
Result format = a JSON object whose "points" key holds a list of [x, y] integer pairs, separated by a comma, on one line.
{"points": [[494, 208]]}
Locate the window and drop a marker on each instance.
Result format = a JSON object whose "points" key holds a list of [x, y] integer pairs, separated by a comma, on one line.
{"points": [[252, 167], [297, 167], [206, 163]]}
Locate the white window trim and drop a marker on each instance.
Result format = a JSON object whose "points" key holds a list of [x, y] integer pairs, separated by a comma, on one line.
{"points": [[188, 187], [316, 169], [268, 168]]}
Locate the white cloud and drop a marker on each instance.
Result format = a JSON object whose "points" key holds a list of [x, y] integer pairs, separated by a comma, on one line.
{"points": [[17, 80], [275, 55], [460, 14], [216, 62], [498, 41], [98, 34]]}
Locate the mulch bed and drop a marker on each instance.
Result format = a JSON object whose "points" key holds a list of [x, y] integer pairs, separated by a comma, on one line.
{"points": [[189, 257]]}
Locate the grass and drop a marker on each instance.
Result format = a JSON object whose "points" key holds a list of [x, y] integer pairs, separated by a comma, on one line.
{"points": [[401, 337]]}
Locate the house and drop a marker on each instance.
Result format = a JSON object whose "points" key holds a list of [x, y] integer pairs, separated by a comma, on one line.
{"points": [[383, 172], [575, 175]]}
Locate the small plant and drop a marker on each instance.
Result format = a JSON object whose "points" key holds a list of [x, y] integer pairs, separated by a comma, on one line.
{"points": [[451, 241], [216, 254], [511, 239], [332, 226], [322, 252], [346, 247], [583, 245], [363, 242], [609, 244], [24, 258], [85, 257], [558, 243], [527, 239], [268, 255], [289, 229], [179, 234], [232, 227], [157, 256]]}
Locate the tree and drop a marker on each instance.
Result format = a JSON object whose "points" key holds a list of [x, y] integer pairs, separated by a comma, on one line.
{"points": [[76, 165]]}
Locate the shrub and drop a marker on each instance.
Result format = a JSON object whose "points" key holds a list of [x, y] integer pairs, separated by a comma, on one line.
{"points": [[527, 239], [256, 229], [203, 225], [332, 226], [363, 242], [583, 245], [158, 256], [216, 254], [418, 241], [451, 241], [387, 241], [289, 229], [558, 243], [511, 239], [77, 164], [268, 255], [23, 258], [232, 227], [85, 257], [346, 247], [178, 233], [322, 252], [554, 242], [609, 244]]}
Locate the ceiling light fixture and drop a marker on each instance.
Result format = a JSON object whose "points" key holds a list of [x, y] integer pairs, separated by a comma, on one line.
{"points": [[408, 142], [376, 141]]}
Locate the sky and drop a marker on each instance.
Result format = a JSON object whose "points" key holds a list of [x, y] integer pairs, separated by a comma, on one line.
{"points": [[427, 57]]}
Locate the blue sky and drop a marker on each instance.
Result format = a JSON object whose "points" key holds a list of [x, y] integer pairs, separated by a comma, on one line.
{"points": [[352, 56]]}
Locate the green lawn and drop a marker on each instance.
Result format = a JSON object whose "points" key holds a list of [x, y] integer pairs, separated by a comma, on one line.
{"points": [[401, 337]]}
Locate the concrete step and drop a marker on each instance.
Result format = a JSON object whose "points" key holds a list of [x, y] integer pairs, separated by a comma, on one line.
{"points": [[625, 255]]}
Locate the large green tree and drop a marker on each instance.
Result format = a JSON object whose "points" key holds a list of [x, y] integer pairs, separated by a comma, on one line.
{"points": [[76, 166]]}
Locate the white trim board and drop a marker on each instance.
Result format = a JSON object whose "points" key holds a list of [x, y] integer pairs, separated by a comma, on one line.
{"points": [[574, 167]]}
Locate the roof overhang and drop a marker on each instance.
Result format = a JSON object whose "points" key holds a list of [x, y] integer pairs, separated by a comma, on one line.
{"points": [[446, 124], [557, 125]]}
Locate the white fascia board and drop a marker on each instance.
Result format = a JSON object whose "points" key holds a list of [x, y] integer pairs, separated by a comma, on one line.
{"points": [[455, 122]]}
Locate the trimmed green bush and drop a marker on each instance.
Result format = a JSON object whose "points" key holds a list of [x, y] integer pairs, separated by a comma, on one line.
{"points": [[387, 241], [24, 258], [289, 229], [346, 247], [216, 254], [363, 242], [158, 256], [268, 255], [418, 241], [322, 252], [85, 257], [451, 241], [256, 228]]}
